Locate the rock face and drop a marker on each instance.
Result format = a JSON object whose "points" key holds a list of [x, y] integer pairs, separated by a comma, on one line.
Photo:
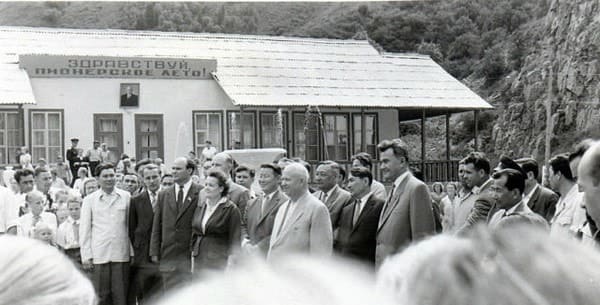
{"points": [[563, 66]]}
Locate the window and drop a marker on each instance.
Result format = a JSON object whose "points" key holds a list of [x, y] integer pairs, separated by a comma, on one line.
{"points": [[207, 126], [46, 135], [149, 136], [336, 136], [273, 129], [10, 136], [306, 137], [370, 133], [235, 139], [108, 128]]}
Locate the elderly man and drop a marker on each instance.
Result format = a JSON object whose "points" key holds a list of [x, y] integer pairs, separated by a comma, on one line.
{"points": [[407, 214], [507, 190], [262, 210], [302, 224], [359, 220], [104, 238], [589, 182], [237, 193], [570, 214], [172, 225], [330, 193]]}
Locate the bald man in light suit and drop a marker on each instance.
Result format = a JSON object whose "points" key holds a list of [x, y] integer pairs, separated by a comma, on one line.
{"points": [[302, 224]]}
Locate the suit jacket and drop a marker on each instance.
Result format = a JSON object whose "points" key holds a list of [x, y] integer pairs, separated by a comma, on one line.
{"points": [[483, 207], [172, 229], [522, 214], [237, 194], [259, 226], [131, 101], [338, 199], [306, 230], [543, 201], [212, 247], [359, 241], [406, 217], [140, 228]]}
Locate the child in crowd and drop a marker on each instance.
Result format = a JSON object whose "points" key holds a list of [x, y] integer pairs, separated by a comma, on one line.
{"points": [[82, 174], [67, 236], [44, 233]]}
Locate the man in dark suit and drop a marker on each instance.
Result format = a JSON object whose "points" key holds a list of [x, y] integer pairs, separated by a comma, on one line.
{"points": [[262, 210], [333, 196], [540, 199], [129, 99], [407, 215], [237, 193], [144, 276], [72, 154], [172, 225], [359, 220]]}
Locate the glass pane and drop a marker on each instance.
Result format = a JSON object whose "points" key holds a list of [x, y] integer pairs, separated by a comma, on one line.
{"points": [[2, 156], [108, 125], [148, 125], [53, 121], [38, 138], [38, 121], [342, 138], [312, 137], [300, 151], [2, 142], [150, 140], [14, 138], [311, 153], [12, 120], [200, 138], [341, 123], [357, 123], [214, 129], [201, 121], [2, 121], [12, 154], [54, 138], [39, 152], [330, 138], [341, 153], [54, 152]]}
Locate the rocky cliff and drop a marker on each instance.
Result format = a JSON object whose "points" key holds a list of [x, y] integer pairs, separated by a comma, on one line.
{"points": [[563, 66]]}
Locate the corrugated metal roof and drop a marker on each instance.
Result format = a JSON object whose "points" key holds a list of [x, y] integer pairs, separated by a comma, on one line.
{"points": [[15, 87], [268, 70]]}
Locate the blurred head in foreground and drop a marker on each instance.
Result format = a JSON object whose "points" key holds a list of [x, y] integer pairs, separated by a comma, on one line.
{"points": [[33, 273], [292, 280], [517, 265]]}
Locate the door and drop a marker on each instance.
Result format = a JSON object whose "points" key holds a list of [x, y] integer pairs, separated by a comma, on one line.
{"points": [[149, 136], [108, 128]]}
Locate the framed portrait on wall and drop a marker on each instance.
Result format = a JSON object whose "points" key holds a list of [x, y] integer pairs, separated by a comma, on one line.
{"points": [[130, 95]]}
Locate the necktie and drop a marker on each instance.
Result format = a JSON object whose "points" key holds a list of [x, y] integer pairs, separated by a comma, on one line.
{"points": [[180, 197], [153, 199], [356, 212], [76, 232], [264, 203], [324, 197]]}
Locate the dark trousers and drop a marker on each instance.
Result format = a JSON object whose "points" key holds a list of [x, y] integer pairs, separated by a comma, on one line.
{"points": [[111, 281], [93, 165], [144, 284], [75, 255]]}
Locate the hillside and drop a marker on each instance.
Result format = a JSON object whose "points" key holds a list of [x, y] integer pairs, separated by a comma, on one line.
{"points": [[501, 49]]}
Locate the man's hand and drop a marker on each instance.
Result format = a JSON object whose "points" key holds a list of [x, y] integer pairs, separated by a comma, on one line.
{"points": [[154, 259], [88, 265]]}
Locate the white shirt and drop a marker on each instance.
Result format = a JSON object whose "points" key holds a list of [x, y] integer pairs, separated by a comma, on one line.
{"points": [[153, 198], [8, 211], [65, 236], [378, 189], [186, 189], [363, 201], [569, 213], [103, 231], [210, 210], [25, 224]]}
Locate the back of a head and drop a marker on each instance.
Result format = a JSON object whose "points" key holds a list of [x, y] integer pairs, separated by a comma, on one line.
{"points": [[34, 273], [293, 280], [513, 265]]}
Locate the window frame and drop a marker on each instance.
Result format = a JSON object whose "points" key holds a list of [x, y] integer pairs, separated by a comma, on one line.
{"points": [[349, 145], [199, 146], [254, 129], [356, 115], [286, 119], [61, 145]]}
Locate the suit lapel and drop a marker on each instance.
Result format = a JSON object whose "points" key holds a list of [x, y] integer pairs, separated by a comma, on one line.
{"points": [[271, 205], [297, 214], [534, 197], [389, 207], [172, 203], [191, 196]]}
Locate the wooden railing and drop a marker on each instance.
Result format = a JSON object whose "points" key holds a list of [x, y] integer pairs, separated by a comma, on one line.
{"points": [[434, 170]]}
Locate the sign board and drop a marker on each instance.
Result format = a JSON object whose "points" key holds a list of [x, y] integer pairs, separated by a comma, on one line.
{"points": [[59, 66]]}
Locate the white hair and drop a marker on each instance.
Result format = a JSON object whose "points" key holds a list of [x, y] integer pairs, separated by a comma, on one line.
{"points": [[293, 280], [298, 169], [34, 273], [515, 265]]}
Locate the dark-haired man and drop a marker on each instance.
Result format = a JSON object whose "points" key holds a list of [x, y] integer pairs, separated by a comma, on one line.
{"points": [[476, 204], [261, 212], [407, 214], [330, 193], [104, 237], [364, 159], [570, 213], [359, 220], [172, 224], [237, 193], [537, 197], [507, 190]]}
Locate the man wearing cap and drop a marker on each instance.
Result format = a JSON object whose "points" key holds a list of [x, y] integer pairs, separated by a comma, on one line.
{"points": [[72, 157], [94, 155]]}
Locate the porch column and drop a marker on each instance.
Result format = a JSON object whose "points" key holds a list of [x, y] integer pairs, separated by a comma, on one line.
{"points": [[423, 145], [363, 135], [447, 136], [241, 124]]}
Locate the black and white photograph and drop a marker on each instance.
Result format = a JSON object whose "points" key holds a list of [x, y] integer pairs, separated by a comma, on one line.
{"points": [[434, 152]]}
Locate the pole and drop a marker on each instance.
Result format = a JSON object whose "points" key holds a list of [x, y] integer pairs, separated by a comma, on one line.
{"points": [[549, 126], [241, 124], [476, 120], [447, 136], [363, 134], [423, 155]]}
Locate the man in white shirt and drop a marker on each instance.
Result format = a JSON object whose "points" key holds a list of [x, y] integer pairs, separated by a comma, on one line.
{"points": [[25, 224], [570, 213], [104, 240], [67, 236], [208, 152]]}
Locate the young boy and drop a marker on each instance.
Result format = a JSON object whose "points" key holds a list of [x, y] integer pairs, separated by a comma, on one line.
{"points": [[67, 236], [42, 232]]}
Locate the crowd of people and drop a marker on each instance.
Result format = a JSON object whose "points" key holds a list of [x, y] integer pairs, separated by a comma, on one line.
{"points": [[138, 230]]}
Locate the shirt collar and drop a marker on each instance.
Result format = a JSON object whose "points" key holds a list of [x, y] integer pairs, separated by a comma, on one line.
{"points": [[365, 198], [478, 189], [186, 186], [527, 196], [105, 194], [400, 178], [221, 201]]}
